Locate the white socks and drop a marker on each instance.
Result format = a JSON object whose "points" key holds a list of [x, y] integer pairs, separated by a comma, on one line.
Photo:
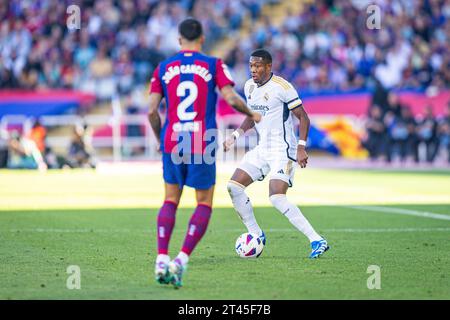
{"points": [[162, 258], [295, 216], [184, 258], [243, 206]]}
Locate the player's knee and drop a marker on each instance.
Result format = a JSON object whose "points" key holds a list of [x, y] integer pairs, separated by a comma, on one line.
{"points": [[235, 188], [280, 202], [174, 200]]}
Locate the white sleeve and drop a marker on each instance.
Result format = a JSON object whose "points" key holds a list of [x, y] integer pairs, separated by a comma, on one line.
{"points": [[290, 96]]}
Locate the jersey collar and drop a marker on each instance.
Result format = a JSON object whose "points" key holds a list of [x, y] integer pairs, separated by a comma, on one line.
{"points": [[271, 75]]}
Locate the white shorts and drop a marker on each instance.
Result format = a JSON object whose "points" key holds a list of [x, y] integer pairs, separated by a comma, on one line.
{"points": [[258, 163]]}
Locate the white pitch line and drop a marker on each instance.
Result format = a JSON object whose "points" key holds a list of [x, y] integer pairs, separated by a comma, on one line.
{"points": [[380, 230], [423, 214], [275, 230]]}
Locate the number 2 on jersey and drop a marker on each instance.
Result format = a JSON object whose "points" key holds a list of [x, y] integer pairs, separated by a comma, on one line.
{"points": [[182, 114]]}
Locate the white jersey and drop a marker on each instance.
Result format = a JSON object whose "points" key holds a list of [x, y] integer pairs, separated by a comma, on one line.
{"points": [[274, 100]]}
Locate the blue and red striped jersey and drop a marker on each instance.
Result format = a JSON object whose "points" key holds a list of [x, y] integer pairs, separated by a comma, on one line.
{"points": [[188, 82]]}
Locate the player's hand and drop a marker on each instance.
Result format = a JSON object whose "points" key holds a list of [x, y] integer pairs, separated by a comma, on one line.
{"points": [[228, 143], [256, 117], [302, 156]]}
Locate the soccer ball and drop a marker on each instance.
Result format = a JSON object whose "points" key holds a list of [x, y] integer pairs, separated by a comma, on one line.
{"points": [[249, 245]]}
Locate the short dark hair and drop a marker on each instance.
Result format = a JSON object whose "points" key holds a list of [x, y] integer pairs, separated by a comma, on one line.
{"points": [[190, 29], [264, 54]]}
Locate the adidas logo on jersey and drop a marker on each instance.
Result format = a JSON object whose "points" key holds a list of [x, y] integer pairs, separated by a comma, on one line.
{"points": [[281, 171]]}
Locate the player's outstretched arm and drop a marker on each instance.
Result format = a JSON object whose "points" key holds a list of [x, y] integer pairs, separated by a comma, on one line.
{"points": [[302, 156], [247, 124], [153, 115], [236, 101]]}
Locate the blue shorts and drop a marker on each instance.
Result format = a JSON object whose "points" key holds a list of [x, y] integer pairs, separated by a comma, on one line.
{"points": [[195, 175]]}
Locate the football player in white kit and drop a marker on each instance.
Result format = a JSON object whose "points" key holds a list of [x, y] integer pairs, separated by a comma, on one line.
{"points": [[278, 151]]}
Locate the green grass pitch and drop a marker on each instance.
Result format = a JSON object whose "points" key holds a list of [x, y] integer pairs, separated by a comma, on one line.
{"points": [[104, 222]]}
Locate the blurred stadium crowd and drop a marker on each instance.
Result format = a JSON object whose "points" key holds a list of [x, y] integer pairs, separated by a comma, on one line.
{"points": [[325, 48], [31, 151], [329, 46], [393, 132], [119, 45]]}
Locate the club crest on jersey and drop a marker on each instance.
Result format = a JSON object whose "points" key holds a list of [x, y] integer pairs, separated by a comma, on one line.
{"points": [[252, 87]]}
